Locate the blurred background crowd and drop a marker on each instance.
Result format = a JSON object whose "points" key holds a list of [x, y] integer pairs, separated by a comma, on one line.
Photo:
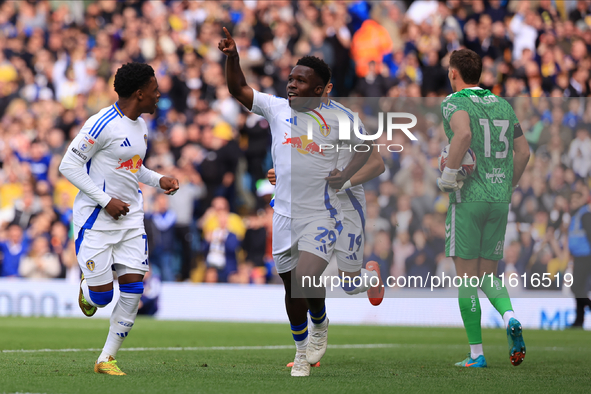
{"points": [[57, 64]]}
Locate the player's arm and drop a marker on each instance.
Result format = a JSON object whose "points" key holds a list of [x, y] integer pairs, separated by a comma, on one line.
{"points": [[372, 169], [520, 153], [460, 126], [73, 167], [337, 179], [234, 75], [151, 178]]}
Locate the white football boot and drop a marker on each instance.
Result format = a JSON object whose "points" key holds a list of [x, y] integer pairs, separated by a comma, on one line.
{"points": [[301, 366], [318, 341]]}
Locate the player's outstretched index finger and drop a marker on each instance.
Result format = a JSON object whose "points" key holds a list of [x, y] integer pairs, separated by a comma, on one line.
{"points": [[228, 35]]}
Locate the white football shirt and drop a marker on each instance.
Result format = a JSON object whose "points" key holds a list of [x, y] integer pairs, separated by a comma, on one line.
{"points": [[352, 199], [300, 165], [105, 160]]}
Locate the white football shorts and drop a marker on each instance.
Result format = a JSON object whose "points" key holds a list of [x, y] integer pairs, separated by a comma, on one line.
{"points": [[98, 252], [291, 236], [349, 248]]}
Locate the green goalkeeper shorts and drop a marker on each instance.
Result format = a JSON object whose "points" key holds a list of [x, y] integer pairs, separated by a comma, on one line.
{"points": [[476, 229]]}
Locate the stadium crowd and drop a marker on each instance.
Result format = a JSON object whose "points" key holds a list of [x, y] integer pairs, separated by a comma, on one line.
{"points": [[58, 59]]}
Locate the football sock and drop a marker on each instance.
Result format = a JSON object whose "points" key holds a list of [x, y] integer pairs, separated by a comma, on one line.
{"points": [[122, 318], [476, 350], [300, 335], [470, 310], [349, 283], [497, 294], [507, 316], [318, 318], [86, 293]]}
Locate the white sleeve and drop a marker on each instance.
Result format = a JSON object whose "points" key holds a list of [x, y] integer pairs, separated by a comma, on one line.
{"points": [[516, 23], [149, 177], [262, 103], [80, 151]]}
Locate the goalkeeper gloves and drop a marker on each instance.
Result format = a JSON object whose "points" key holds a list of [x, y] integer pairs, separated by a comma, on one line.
{"points": [[447, 182]]}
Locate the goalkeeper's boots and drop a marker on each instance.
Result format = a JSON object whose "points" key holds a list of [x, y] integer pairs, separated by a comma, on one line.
{"points": [[317, 343], [375, 293], [85, 307], [515, 340], [469, 362], [108, 367], [301, 366]]}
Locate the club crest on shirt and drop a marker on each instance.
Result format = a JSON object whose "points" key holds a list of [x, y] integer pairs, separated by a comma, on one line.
{"points": [[90, 265], [325, 130]]}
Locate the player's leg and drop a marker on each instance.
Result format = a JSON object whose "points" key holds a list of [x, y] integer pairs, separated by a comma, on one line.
{"points": [[130, 258], [93, 253], [316, 244], [493, 237], [349, 253], [462, 244], [470, 310], [285, 256], [297, 312], [308, 272]]}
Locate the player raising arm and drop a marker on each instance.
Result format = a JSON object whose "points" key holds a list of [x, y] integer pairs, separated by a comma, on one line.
{"points": [[477, 216], [349, 249], [307, 217], [104, 162]]}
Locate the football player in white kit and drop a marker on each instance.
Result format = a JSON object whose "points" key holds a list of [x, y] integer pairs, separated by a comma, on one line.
{"points": [[307, 219], [350, 245], [104, 161]]}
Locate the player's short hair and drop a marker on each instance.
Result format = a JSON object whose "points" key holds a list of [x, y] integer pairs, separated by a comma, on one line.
{"points": [[468, 63], [318, 65], [131, 77]]}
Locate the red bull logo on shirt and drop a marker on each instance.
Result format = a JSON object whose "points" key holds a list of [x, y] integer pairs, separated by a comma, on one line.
{"points": [[134, 164], [303, 144]]}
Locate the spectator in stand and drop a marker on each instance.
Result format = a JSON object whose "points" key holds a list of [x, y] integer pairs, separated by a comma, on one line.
{"points": [[40, 262], [422, 261], [160, 229], [218, 169], [579, 243], [382, 253], [183, 205], [370, 43], [579, 153], [14, 247]]}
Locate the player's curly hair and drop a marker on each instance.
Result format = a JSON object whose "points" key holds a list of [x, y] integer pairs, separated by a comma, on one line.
{"points": [[318, 65], [131, 77]]}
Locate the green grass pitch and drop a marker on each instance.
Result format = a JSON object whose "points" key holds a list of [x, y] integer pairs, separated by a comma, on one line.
{"points": [[240, 358]]}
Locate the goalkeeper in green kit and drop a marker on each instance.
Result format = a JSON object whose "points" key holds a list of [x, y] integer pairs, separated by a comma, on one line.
{"points": [[477, 215]]}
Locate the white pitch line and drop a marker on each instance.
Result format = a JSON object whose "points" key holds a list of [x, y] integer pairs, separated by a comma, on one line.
{"points": [[279, 347]]}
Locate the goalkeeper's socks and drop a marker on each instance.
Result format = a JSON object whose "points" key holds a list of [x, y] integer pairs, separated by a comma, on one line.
{"points": [[497, 295], [475, 351], [364, 282], [300, 335], [507, 316], [122, 318], [470, 310], [319, 317]]}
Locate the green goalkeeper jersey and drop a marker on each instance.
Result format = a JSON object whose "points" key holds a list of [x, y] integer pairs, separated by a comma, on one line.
{"points": [[493, 124]]}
